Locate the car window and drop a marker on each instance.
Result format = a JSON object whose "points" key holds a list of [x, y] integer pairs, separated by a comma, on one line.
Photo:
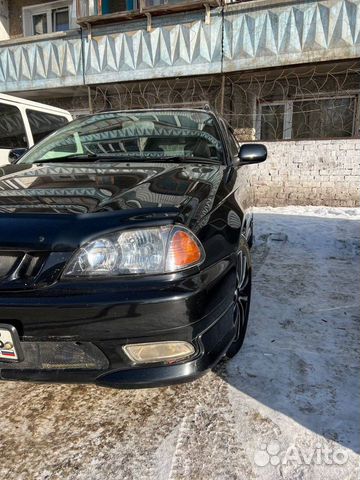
{"points": [[137, 135], [42, 123], [12, 128], [234, 146]]}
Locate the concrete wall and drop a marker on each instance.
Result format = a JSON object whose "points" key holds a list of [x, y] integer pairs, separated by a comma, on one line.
{"points": [[4, 20], [321, 172]]}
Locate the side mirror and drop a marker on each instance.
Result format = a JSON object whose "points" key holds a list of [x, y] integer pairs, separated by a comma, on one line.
{"points": [[15, 154], [252, 153]]}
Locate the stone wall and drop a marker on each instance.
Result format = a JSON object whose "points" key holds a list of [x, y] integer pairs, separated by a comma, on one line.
{"points": [[321, 172]]}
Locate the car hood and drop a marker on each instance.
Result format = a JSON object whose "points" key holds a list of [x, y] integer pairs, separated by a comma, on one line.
{"points": [[77, 189]]}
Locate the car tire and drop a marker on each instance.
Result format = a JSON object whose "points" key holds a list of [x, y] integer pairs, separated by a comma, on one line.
{"points": [[242, 297]]}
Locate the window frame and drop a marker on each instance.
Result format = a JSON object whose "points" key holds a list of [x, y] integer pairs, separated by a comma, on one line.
{"points": [[27, 130], [36, 14], [46, 8], [235, 144], [218, 124], [34, 109], [135, 9], [54, 11], [288, 114]]}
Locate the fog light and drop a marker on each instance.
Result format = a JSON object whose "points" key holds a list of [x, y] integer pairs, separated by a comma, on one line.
{"points": [[158, 351]]}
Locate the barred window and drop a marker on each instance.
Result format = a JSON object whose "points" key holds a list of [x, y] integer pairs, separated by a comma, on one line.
{"points": [[307, 118]]}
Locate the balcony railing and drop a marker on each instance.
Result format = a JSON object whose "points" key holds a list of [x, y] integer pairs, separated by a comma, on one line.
{"points": [[173, 5], [239, 39], [102, 10]]}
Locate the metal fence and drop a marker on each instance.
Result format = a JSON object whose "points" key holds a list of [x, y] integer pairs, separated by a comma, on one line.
{"points": [[317, 101]]}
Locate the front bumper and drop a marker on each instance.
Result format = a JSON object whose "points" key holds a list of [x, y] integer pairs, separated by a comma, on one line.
{"points": [[195, 308]]}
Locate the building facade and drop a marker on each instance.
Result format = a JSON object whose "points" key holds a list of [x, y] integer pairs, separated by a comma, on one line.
{"points": [[284, 72]]}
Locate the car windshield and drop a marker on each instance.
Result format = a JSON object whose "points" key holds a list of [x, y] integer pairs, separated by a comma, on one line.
{"points": [[137, 136]]}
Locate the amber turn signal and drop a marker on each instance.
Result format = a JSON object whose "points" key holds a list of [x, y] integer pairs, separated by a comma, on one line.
{"points": [[184, 251]]}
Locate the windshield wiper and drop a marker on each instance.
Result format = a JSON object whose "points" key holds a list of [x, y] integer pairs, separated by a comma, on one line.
{"points": [[118, 158], [179, 159], [150, 159]]}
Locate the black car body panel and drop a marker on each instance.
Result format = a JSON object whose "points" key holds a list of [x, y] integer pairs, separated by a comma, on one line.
{"points": [[47, 211]]}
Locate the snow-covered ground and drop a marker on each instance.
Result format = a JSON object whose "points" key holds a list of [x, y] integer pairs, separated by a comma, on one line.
{"points": [[286, 407]]}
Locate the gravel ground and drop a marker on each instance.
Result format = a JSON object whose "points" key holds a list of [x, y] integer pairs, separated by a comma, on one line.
{"points": [[286, 407]]}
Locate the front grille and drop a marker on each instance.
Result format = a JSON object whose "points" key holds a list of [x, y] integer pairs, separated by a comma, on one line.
{"points": [[20, 265], [59, 356], [8, 262]]}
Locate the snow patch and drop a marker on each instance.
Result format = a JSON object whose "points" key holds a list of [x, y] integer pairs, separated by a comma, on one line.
{"points": [[313, 211]]}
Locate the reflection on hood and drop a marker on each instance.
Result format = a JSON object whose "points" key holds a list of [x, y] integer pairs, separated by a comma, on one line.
{"points": [[79, 189]]}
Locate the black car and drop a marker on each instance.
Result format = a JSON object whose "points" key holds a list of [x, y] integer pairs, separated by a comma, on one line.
{"points": [[124, 250]]}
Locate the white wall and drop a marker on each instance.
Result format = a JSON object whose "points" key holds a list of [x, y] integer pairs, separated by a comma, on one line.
{"points": [[321, 172]]}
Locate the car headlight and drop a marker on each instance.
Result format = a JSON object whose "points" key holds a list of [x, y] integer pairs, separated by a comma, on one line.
{"points": [[141, 251]]}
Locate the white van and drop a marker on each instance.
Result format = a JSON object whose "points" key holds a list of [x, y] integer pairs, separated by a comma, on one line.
{"points": [[24, 123]]}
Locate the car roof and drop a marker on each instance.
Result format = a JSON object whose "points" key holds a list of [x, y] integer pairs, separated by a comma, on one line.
{"points": [[206, 109], [30, 103], [160, 109], [209, 111]]}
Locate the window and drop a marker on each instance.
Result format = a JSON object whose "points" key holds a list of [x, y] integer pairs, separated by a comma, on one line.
{"points": [[234, 147], [42, 123], [60, 19], [47, 18], [144, 136], [115, 6], [39, 24], [333, 117], [12, 129], [273, 124], [307, 118]]}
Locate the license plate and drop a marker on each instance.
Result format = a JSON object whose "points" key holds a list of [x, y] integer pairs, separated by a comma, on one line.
{"points": [[10, 350]]}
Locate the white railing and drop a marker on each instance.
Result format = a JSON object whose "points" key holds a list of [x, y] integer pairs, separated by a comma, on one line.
{"points": [[100, 8]]}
